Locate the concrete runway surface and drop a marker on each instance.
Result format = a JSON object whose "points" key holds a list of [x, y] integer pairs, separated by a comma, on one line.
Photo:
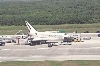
{"points": [[87, 50]]}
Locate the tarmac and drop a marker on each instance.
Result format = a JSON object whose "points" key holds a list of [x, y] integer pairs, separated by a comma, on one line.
{"points": [[87, 50]]}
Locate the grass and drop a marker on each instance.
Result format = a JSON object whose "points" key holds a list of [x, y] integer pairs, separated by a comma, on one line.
{"points": [[67, 27], [52, 63]]}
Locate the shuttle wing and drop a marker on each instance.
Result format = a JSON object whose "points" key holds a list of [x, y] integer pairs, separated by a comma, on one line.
{"points": [[46, 39]]}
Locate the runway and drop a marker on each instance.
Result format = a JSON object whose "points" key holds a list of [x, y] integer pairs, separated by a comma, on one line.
{"points": [[87, 50]]}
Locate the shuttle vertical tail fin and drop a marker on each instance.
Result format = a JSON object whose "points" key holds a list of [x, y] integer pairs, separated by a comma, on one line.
{"points": [[30, 28]]}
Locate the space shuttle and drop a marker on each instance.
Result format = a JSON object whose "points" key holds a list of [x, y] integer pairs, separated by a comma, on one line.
{"points": [[33, 31]]}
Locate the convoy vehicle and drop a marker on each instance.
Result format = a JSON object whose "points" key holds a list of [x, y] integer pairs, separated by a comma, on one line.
{"points": [[2, 43]]}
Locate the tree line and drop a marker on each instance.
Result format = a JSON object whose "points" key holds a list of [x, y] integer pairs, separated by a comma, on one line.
{"points": [[49, 12]]}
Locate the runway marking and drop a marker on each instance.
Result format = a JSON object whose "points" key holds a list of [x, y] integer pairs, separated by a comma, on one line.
{"points": [[60, 58], [37, 56], [95, 47], [5, 49], [74, 48], [42, 48], [19, 59]]}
